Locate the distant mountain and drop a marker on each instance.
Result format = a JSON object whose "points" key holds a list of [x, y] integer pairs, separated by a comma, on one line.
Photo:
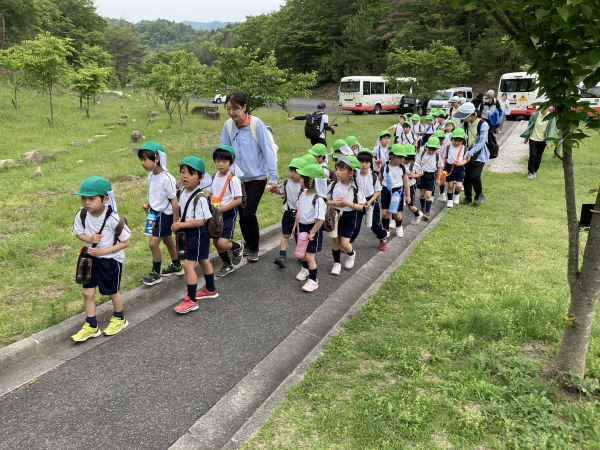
{"points": [[206, 26]]}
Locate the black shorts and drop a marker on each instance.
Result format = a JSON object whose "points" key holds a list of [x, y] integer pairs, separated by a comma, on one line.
{"points": [[413, 191], [316, 244], [106, 275], [287, 222], [229, 218], [197, 243], [347, 223], [458, 173], [162, 226], [386, 198], [427, 181]]}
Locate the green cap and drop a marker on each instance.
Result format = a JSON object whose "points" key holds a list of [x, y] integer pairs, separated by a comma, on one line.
{"points": [[152, 146], [439, 134], [194, 162], [338, 144], [441, 112], [410, 150], [312, 171], [451, 121], [354, 162], [398, 150], [433, 142], [384, 133], [227, 148], [429, 117], [309, 159], [94, 186], [416, 117], [459, 133], [351, 140], [297, 163], [318, 150]]}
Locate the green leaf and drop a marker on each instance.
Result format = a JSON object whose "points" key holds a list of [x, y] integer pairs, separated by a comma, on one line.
{"points": [[564, 13], [470, 7], [541, 13], [455, 4], [592, 191], [558, 20], [595, 56], [587, 11]]}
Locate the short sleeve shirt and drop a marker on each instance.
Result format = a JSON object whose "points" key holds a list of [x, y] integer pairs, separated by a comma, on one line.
{"points": [[200, 212], [416, 169], [366, 184], [408, 138], [396, 175], [233, 189], [161, 191], [340, 191], [292, 191], [429, 163], [452, 153], [307, 213]]}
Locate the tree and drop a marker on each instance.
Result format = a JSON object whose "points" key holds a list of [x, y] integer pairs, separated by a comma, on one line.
{"points": [[127, 51], [11, 61], [45, 64], [88, 81], [426, 71], [261, 80], [560, 39]]}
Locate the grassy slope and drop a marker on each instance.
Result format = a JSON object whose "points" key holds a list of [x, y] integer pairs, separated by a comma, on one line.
{"points": [[37, 249], [441, 356]]}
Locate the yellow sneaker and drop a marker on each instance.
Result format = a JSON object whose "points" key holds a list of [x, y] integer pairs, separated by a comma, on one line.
{"points": [[85, 333], [115, 326]]}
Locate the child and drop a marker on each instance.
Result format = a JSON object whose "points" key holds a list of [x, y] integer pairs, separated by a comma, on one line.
{"points": [[226, 190], [194, 214], [441, 120], [414, 173], [397, 128], [381, 151], [352, 142], [394, 178], [291, 190], [309, 219], [347, 198], [440, 135], [456, 156], [417, 128], [428, 129], [431, 163], [161, 199], [368, 182], [408, 136], [319, 151], [97, 224]]}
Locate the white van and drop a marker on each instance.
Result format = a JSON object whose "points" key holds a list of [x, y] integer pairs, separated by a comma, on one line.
{"points": [[591, 96], [440, 101], [521, 91], [362, 94]]}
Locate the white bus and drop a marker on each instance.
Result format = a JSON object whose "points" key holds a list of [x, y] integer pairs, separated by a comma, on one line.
{"points": [[521, 92], [367, 94], [591, 96]]}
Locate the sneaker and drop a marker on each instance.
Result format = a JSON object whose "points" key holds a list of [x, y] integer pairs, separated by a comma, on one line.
{"points": [[280, 261], [224, 270], [530, 176], [462, 189], [383, 245], [450, 204], [342, 250], [253, 255], [534, 174], [204, 293], [456, 199], [466, 201], [416, 219], [151, 279], [302, 274], [186, 305], [173, 270], [310, 285], [399, 231], [349, 264], [337, 269], [388, 233], [478, 199], [245, 251], [499, 131], [237, 255], [426, 215], [392, 223], [86, 332], [443, 197], [116, 324]]}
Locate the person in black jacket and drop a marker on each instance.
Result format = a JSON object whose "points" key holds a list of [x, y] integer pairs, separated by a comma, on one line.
{"points": [[324, 127], [488, 105]]}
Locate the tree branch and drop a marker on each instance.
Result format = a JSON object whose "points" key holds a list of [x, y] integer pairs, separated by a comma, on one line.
{"points": [[503, 23]]}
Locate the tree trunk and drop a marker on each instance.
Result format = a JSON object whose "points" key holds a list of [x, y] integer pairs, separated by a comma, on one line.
{"points": [[87, 110], [16, 103], [3, 34], [80, 101], [51, 106], [469, 30]]}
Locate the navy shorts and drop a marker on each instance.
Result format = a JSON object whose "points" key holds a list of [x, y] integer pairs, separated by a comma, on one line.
{"points": [[162, 227], [197, 243], [229, 218], [458, 173], [287, 222], [427, 181], [347, 223], [386, 198], [413, 192], [106, 275], [316, 244]]}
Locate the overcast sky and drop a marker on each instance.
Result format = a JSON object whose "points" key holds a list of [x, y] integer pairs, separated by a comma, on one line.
{"points": [[180, 10]]}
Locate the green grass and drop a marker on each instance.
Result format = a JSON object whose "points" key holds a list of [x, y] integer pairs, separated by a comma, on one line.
{"points": [[446, 354], [38, 251]]}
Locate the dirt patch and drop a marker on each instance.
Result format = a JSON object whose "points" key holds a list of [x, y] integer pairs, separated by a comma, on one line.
{"points": [[534, 350], [420, 392], [433, 304], [368, 366], [433, 378], [4, 235], [425, 356], [52, 250], [472, 408], [46, 292], [441, 441], [123, 178]]}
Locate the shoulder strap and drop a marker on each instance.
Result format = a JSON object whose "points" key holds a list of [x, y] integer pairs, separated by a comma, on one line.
{"points": [[253, 122], [374, 175], [108, 214], [188, 204], [229, 124], [229, 177], [412, 166], [437, 158], [479, 127], [82, 216], [332, 188], [119, 229], [197, 198]]}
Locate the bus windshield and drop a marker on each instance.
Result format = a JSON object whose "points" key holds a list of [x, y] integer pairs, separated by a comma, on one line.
{"points": [[442, 95], [517, 85], [350, 86]]}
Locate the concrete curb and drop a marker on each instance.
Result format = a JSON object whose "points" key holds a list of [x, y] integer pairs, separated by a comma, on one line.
{"points": [[42, 340], [238, 415]]}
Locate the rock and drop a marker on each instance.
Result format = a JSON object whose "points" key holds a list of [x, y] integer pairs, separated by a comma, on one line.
{"points": [[143, 105], [150, 121], [47, 155], [121, 122], [136, 100], [38, 173], [124, 116], [6, 163], [33, 156], [154, 113], [80, 161], [133, 120], [91, 140], [76, 143], [111, 128], [99, 135], [58, 152], [136, 136], [129, 96], [160, 131], [212, 114]]}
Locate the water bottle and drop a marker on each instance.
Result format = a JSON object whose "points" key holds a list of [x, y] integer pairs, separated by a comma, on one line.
{"points": [[369, 217], [388, 181], [181, 242], [395, 202], [84, 267], [150, 221], [301, 245]]}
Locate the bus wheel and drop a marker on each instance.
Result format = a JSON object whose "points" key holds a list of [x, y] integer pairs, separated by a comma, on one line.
{"points": [[377, 109], [511, 117], [358, 112]]}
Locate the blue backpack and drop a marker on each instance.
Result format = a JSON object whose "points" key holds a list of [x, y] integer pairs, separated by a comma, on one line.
{"points": [[495, 117]]}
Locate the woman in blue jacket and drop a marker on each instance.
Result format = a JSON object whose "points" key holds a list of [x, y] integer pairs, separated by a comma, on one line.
{"points": [[537, 134], [255, 159]]}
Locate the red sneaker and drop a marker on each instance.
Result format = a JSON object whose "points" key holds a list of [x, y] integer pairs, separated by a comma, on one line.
{"points": [[203, 293], [383, 245], [342, 250], [186, 306]]}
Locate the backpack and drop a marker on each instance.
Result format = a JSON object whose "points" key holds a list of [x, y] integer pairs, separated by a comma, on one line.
{"points": [[492, 144], [253, 122], [215, 223], [118, 228], [312, 127]]}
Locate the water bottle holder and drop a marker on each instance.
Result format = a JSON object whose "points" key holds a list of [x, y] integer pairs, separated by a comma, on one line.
{"points": [[181, 244], [83, 275]]}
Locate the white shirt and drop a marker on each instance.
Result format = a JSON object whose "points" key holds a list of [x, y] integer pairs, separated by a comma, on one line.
{"points": [[93, 224], [439, 126], [429, 163], [452, 153], [366, 184], [416, 127], [381, 153], [398, 129], [161, 191], [292, 190], [341, 191], [429, 129], [325, 168], [307, 213], [201, 212], [217, 187], [416, 170], [324, 120], [395, 173], [409, 138]]}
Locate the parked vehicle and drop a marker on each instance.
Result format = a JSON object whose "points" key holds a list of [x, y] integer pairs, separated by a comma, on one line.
{"points": [[521, 91], [591, 96], [440, 101], [407, 104], [362, 94], [218, 99]]}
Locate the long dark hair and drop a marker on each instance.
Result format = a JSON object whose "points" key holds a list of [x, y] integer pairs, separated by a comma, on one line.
{"points": [[238, 99]]}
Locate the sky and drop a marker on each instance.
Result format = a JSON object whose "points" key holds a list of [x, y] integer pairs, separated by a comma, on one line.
{"points": [[180, 10]]}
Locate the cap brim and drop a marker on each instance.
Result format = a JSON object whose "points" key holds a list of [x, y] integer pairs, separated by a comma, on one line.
{"points": [[213, 150], [460, 115]]}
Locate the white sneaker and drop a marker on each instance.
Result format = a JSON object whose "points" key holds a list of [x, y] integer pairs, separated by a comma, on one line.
{"points": [[443, 197], [349, 264], [450, 204], [310, 285], [456, 199], [462, 189], [392, 223], [417, 219], [337, 268], [302, 274], [388, 233], [399, 231]]}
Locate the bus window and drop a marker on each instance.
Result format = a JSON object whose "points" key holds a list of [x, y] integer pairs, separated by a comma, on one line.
{"points": [[509, 86], [350, 86], [366, 88], [526, 84], [377, 88]]}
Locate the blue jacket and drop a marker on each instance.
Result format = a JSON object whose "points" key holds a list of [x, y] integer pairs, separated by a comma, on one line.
{"points": [[480, 143], [255, 161]]}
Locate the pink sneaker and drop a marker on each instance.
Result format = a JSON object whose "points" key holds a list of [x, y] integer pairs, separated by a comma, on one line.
{"points": [[350, 261], [383, 245], [302, 274], [310, 285], [203, 293], [337, 269], [186, 306]]}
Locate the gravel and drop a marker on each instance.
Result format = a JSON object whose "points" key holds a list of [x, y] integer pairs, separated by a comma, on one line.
{"points": [[511, 152]]}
